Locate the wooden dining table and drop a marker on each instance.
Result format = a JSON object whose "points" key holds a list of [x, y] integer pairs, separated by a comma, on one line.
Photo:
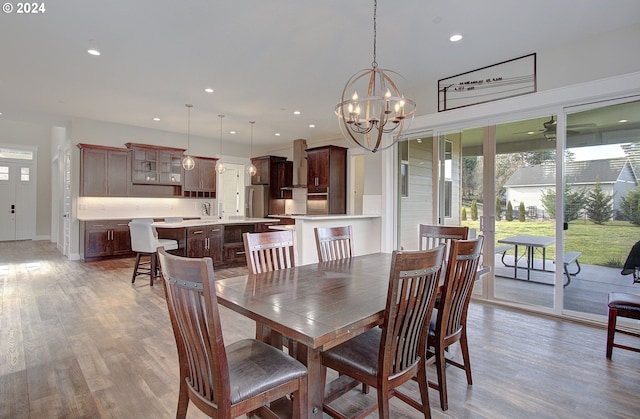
{"points": [[318, 305]]}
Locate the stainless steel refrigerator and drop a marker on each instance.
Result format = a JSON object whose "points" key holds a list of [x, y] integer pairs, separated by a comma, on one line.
{"points": [[257, 201]]}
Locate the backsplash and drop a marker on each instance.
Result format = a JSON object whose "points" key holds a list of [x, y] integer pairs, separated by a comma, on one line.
{"points": [[107, 208]]}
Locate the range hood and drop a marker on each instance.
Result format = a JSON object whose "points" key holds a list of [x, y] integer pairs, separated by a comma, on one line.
{"points": [[299, 163]]}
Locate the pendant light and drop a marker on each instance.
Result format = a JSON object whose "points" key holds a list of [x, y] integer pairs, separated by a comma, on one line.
{"points": [[220, 166], [376, 119], [251, 170], [188, 163]]}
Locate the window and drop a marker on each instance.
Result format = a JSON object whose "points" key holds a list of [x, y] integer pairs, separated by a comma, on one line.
{"points": [[448, 177], [9, 153], [24, 174], [403, 153], [4, 172]]}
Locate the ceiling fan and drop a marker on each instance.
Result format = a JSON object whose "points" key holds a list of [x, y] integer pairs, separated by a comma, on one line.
{"points": [[549, 131]]}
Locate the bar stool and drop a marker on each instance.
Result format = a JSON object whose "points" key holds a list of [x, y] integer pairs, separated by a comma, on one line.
{"points": [[621, 305], [144, 241]]}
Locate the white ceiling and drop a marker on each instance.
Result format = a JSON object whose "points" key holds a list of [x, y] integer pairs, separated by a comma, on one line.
{"points": [[264, 59]]}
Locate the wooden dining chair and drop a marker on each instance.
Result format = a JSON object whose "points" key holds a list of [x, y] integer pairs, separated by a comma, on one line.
{"points": [[270, 250], [449, 319], [387, 356], [266, 252], [334, 243], [433, 235], [222, 381]]}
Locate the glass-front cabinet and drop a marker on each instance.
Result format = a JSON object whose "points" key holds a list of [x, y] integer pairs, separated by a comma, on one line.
{"points": [[156, 165]]}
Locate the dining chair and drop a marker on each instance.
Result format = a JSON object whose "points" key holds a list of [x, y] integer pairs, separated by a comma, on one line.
{"points": [[270, 250], [333, 243], [449, 319], [222, 381], [266, 252], [621, 304], [145, 241], [387, 356], [433, 235]]}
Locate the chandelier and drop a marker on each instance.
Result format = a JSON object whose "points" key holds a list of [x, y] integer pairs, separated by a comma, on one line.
{"points": [[188, 163], [220, 166], [251, 169], [376, 120]]}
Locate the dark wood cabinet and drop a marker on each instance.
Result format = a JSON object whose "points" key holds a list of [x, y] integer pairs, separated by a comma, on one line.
{"points": [[327, 180], [201, 181], [106, 238], [206, 241], [283, 179], [154, 165], [263, 172], [104, 171]]}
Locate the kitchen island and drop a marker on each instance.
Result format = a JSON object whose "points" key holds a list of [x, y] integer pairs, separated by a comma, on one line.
{"points": [[366, 233]]}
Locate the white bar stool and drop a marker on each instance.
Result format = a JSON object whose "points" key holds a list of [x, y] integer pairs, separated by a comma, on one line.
{"points": [[144, 241]]}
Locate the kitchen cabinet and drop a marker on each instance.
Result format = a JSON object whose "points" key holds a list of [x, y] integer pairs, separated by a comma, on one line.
{"points": [[201, 181], [154, 165], [327, 180], [263, 166], [284, 179], [106, 238], [206, 241], [104, 171], [234, 254]]}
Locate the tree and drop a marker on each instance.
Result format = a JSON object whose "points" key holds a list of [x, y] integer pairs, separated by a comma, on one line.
{"points": [[469, 183], [599, 206], [463, 214], [574, 202], [474, 210], [521, 213], [498, 208], [630, 206], [509, 216]]}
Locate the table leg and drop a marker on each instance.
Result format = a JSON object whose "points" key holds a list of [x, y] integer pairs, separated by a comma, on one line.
{"points": [[313, 360], [515, 264], [530, 255]]}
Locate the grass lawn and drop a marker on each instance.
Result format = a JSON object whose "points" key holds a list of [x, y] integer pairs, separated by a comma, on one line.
{"points": [[605, 245]]}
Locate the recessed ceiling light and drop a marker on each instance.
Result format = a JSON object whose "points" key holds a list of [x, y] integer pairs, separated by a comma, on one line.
{"points": [[531, 132], [232, 132], [93, 51], [312, 125], [296, 112], [156, 119], [208, 90], [455, 38], [623, 120], [277, 134]]}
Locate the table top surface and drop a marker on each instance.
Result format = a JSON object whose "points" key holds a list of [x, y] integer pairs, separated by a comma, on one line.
{"points": [[318, 304], [528, 240]]}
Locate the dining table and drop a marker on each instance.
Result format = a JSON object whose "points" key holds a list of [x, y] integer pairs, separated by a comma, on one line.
{"points": [[318, 305]]}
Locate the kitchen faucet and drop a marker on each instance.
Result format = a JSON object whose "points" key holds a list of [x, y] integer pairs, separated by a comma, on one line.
{"points": [[206, 208]]}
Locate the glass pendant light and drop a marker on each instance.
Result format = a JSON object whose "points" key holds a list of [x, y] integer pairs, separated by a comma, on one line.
{"points": [[188, 163], [251, 169], [220, 166]]}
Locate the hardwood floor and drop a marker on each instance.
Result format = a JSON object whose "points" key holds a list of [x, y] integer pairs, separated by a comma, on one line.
{"points": [[78, 340]]}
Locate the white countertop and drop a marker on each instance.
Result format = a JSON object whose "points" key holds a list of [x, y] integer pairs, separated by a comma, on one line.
{"points": [[334, 216], [210, 221]]}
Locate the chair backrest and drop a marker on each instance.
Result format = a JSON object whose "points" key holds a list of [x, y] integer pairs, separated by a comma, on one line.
{"points": [[333, 243], [143, 235], [413, 280], [461, 271], [193, 309], [434, 235], [270, 251]]}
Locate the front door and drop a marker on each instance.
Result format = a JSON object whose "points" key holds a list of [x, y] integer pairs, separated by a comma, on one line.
{"points": [[7, 201]]}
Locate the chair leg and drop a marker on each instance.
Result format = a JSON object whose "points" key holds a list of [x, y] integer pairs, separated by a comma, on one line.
{"points": [[424, 389], [611, 330], [465, 355], [383, 402], [441, 364], [135, 269], [183, 400], [153, 267]]}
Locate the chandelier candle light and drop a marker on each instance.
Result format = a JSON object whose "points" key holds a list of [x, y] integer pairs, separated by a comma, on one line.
{"points": [[220, 166], [376, 120], [251, 170], [188, 163]]}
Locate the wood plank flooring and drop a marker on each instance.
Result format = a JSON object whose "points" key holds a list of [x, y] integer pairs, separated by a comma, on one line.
{"points": [[78, 340]]}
